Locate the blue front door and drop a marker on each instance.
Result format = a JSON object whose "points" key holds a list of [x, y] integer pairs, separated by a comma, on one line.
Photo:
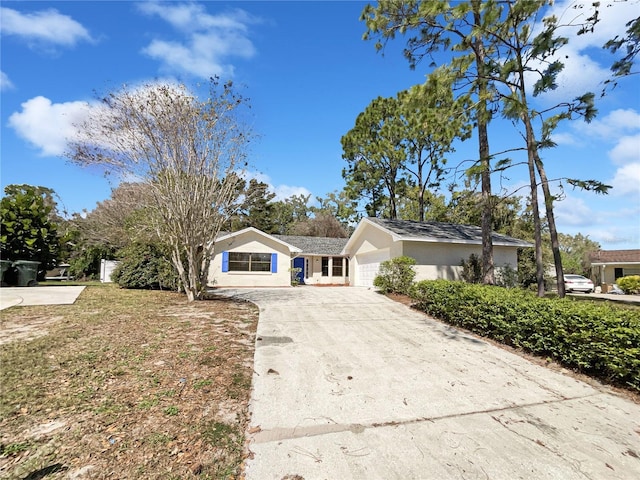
{"points": [[298, 262]]}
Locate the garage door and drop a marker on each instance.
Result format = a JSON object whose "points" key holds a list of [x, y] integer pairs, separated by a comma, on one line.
{"points": [[368, 266]]}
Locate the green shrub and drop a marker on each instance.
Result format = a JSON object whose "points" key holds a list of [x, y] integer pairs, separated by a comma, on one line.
{"points": [[145, 266], [600, 340], [396, 275], [629, 284]]}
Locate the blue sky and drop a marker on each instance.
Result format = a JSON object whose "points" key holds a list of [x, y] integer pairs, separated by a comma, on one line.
{"points": [[308, 74]]}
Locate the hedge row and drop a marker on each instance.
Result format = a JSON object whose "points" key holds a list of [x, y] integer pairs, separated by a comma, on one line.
{"points": [[599, 340]]}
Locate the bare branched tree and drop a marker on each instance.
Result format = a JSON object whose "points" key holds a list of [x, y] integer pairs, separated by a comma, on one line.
{"points": [[188, 152]]}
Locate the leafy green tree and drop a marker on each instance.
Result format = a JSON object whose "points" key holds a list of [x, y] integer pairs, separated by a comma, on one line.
{"points": [[575, 250], [363, 184], [340, 206], [186, 150], [373, 150], [146, 266], [28, 232], [434, 26], [288, 212], [255, 208]]}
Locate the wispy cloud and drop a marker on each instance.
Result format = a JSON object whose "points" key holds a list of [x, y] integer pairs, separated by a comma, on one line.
{"points": [[586, 63], [43, 29], [208, 43], [281, 191], [5, 82], [46, 125]]}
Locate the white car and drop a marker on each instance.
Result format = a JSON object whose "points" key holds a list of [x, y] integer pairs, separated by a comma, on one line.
{"points": [[577, 283]]}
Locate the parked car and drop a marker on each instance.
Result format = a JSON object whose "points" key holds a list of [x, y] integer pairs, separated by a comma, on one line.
{"points": [[577, 283]]}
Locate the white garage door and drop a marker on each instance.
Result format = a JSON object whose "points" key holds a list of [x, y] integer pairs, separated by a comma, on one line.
{"points": [[368, 266]]}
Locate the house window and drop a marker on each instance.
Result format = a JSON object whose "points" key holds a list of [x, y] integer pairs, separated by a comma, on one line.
{"points": [[249, 262], [336, 269], [617, 273], [325, 266]]}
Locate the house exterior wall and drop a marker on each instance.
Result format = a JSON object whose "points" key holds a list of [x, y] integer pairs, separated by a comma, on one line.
{"points": [[313, 271], [442, 260], [250, 242], [371, 247], [606, 273]]}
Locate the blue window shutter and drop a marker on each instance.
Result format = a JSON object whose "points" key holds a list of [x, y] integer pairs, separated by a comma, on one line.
{"points": [[225, 261], [274, 263]]}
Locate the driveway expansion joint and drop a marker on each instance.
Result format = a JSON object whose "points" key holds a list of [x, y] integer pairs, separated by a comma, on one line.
{"points": [[279, 434]]}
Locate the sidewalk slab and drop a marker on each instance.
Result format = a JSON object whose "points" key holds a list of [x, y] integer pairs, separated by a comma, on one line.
{"points": [[27, 296]]}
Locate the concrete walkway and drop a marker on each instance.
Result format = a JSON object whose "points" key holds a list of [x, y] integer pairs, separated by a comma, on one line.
{"points": [[51, 295], [351, 385]]}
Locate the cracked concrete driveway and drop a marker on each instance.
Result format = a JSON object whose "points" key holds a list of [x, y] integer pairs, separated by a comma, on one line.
{"points": [[349, 384]]}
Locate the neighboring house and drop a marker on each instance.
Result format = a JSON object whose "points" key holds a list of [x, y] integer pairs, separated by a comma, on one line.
{"points": [[251, 257], [254, 258], [438, 248], [609, 265]]}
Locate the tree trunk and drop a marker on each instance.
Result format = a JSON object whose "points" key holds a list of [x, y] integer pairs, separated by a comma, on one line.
{"points": [[488, 273], [537, 227], [555, 244]]}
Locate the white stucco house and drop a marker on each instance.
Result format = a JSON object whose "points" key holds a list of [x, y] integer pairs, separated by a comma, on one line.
{"points": [[438, 248], [251, 257], [607, 266]]}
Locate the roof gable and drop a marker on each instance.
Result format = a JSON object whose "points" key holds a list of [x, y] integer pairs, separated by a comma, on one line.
{"points": [[225, 236], [438, 232]]}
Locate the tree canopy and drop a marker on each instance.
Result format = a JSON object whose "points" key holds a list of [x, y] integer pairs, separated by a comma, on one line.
{"points": [[187, 151], [28, 228]]}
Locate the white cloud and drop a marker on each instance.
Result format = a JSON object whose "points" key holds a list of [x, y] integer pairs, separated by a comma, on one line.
{"points": [[45, 27], [627, 150], [281, 191], [614, 125], [46, 125], [627, 180], [564, 138], [210, 40], [573, 211], [582, 71], [5, 82]]}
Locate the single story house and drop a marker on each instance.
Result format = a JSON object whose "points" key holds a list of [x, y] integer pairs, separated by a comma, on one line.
{"points": [[438, 248], [251, 257], [607, 266], [254, 258]]}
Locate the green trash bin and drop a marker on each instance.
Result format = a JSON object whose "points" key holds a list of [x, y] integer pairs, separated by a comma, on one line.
{"points": [[27, 273], [6, 265]]}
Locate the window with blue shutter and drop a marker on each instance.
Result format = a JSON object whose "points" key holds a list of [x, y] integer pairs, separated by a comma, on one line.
{"points": [[274, 263]]}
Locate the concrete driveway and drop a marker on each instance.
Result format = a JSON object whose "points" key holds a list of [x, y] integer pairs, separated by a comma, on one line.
{"points": [[351, 385]]}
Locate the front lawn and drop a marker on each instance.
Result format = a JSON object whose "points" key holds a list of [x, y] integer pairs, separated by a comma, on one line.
{"points": [[125, 384]]}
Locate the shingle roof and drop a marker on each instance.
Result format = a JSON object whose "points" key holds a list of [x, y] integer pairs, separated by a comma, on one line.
{"points": [[315, 245], [615, 256], [449, 232]]}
